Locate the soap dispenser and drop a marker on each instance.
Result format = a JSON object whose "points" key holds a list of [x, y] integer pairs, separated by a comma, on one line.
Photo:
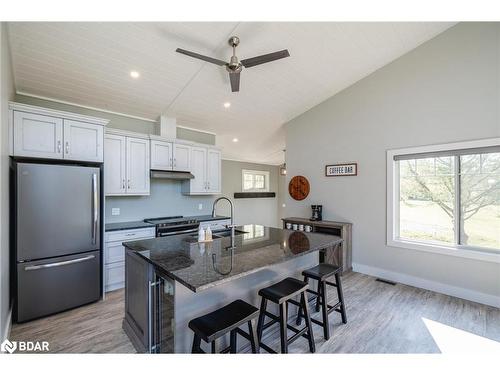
{"points": [[208, 234], [201, 234]]}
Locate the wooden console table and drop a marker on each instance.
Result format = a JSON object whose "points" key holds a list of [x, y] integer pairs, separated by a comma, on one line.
{"points": [[341, 254]]}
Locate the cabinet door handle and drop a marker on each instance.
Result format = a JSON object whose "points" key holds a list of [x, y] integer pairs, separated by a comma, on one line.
{"points": [[123, 184], [58, 146], [171, 163], [128, 184], [67, 147], [208, 185]]}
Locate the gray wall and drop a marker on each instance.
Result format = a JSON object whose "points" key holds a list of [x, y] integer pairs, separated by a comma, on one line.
{"points": [[7, 93], [166, 199], [446, 90], [250, 210], [115, 121]]}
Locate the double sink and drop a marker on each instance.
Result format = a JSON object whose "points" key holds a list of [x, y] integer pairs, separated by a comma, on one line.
{"points": [[223, 233]]}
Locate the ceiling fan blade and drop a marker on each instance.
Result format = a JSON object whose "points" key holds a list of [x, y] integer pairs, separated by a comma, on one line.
{"points": [[248, 63], [235, 81], [201, 57]]}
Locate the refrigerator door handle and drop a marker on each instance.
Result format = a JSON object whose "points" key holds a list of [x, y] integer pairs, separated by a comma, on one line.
{"points": [[95, 208], [58, 264]]}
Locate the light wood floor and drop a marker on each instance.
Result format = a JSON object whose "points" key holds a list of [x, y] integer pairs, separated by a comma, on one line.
{"points": [[381, 319]]}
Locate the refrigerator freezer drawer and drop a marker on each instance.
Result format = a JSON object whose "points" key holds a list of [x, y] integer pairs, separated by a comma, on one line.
{"points": [[57, 284]]}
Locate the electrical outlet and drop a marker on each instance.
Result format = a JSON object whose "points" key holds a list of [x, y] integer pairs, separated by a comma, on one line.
{"points": [[200, 206], [115, 211]]}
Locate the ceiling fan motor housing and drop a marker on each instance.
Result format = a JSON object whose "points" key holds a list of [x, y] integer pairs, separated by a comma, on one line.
{"points": [[234, 65]]}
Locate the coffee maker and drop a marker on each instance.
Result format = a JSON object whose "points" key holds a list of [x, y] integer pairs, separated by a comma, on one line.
{"points": [[317, 212]]}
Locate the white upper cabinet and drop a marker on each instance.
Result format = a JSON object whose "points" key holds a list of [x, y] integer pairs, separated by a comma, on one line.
{"points": [[50, 134], [37, 136], [182, 156], [126, 165], [161, 155], [137, 166], [83, 141], [206, 168], [214, 171], [114, 165]]}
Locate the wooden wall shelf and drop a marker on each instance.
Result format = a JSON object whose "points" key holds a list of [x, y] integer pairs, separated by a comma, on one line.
{"points": [[254, 195]]}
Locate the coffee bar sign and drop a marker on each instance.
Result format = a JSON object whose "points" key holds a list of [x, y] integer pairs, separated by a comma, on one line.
{"points": [[335, 170]]}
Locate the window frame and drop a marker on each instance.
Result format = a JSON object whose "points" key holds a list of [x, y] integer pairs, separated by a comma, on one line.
{"points": [[464, 251], [255, 172]]}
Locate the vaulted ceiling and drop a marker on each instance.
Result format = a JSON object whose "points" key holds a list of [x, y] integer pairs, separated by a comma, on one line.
{"points": [[89, 64]]}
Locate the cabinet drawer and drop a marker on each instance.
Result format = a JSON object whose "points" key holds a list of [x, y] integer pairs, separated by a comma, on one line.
{"points": [[130, 235], [114, 276], [114, 252]]}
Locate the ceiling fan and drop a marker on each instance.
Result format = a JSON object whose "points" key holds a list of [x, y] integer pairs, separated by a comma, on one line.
{"points": [[234, 66]]}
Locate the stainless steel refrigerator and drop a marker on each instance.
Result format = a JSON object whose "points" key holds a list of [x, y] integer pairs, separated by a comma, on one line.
{"points": [[57, 239]]}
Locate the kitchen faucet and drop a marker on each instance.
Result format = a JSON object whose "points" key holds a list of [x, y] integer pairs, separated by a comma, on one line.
{"points": [[231, 204]]}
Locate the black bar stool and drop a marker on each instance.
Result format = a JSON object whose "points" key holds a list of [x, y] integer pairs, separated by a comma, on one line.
{"points": [[229, 318], [282, 293], [320, 273]]}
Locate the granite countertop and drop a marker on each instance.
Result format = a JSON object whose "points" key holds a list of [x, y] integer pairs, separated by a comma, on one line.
{"points": [[141, 224], [127, 225], [199, 266]]}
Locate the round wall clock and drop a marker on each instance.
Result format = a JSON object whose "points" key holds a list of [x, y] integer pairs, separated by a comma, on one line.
{"points": [[298, 188]]}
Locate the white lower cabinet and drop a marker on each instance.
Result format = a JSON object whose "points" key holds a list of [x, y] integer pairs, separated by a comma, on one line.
{"points": [[114, 255]]}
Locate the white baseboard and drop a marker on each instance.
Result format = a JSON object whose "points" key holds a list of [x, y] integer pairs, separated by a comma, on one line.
{"points": [[468, 294]]}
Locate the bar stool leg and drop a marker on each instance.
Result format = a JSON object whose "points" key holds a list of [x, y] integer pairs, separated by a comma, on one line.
{"points": [[196, 344], [318, 299], [303, 302], [253, 336], [232, 341], [340, 294], [283, 328], [324, 308], [260, 325], [299, 314]]}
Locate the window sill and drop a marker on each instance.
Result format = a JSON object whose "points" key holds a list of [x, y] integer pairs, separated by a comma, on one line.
{"points": [[469, 253]]}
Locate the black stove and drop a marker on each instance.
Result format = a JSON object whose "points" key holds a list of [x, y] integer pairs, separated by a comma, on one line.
{"points": [[172, 225]]}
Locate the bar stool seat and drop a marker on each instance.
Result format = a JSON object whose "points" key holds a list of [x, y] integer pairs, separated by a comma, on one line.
{"points": [[229, 318], [321, 272], [283, 290]]}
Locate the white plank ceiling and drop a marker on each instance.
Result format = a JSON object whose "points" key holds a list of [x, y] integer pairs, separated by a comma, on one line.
{"points": [[89, 64]]}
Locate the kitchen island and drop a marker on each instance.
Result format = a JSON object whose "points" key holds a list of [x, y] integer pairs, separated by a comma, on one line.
{"points": [[171, 280]]}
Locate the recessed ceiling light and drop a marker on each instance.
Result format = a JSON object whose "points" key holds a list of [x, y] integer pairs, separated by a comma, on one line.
{"points": [[134, 74], [235, 140], [227, 105]]}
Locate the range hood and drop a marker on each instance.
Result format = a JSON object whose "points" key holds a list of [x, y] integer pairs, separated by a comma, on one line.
{"points": [[172, 175]]}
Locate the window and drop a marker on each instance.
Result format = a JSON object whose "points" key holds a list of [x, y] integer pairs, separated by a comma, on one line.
{"points": [[446, 198], [255, 181]]}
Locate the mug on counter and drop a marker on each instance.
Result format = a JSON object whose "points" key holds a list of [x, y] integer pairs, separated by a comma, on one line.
{"points": [[301, 227], [295, 226], [288, 225], [308, 228]]}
